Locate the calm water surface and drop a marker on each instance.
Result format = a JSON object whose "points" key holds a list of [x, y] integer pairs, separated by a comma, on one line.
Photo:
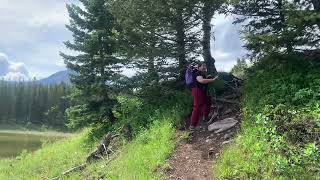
{"points": [[12, 143]]}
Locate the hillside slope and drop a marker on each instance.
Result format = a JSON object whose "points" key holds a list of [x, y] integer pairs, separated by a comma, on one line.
{"points": [[280, 131]]}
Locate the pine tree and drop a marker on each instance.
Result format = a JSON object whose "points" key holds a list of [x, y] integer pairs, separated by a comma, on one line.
{"points": [[240, 68], [139, 37], [95, 65], [159, 36]]}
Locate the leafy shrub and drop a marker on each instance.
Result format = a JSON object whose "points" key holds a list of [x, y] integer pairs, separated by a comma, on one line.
{"points": [[280, 132]]}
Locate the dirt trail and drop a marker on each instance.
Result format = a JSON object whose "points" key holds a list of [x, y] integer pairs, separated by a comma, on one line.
{"points": [[193, 158]]}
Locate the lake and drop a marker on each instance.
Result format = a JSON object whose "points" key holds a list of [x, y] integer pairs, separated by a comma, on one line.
{"points": [[12, 143]]}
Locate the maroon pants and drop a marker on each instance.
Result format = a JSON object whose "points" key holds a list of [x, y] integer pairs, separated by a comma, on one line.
{"points": [[201, 103]]}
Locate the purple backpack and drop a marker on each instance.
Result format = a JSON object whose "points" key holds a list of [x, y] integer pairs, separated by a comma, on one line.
{"points": [[189, 77]]}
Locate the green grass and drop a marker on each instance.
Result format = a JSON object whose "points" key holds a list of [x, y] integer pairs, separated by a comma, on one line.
{"points": [[242, 159], [47, 162], [139, 159]]}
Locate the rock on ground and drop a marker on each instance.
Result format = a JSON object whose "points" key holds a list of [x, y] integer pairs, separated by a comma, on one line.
{"points": [[223, 125]]}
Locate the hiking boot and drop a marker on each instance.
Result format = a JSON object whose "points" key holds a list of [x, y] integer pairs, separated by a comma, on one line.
{"points": [[192, 129]]}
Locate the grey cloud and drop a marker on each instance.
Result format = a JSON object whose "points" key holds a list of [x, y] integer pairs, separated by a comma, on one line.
{"points": [[13, 71], [33, 31], [28, 21]]}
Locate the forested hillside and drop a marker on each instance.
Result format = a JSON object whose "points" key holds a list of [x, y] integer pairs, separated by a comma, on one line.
{"points": [[31, 104]]}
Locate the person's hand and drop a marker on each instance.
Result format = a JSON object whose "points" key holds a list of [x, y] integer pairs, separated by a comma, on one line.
{"points": [[212, 79]]}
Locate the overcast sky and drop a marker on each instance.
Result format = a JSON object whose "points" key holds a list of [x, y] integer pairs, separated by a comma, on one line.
{"points": [[32, 32]]}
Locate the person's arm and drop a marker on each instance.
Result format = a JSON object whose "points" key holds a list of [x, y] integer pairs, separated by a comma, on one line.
{"points": [[202, 80]]}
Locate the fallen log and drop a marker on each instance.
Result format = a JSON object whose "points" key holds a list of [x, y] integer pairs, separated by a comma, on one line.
{"points": [[102, 148], [74, 169]]}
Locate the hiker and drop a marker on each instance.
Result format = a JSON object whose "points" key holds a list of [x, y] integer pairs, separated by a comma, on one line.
{"points": [[201, 97]]}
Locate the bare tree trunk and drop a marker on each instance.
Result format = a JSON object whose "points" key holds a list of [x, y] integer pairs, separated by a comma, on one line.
{"points": [[153, 75], [208, 13], [288, 44], [181, 44], [151, 68], [316, 4]]}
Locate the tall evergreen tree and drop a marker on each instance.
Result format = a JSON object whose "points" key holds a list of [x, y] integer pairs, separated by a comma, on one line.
{"points": [[160, 36], [95, 65], [139, 37], [240, 68]]}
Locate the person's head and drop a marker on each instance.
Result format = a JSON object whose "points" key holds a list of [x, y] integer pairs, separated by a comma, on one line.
{"points": [[202, 67]]}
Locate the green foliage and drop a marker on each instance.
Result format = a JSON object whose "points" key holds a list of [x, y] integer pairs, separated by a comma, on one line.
{"points": [[239, 69], [278, 25], [138, 113], [217, 87], [243, 159], [281, 100], [55, 117], [280, 131]]}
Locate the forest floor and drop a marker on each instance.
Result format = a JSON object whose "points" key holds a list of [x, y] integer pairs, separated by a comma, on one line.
{"points": [[194, 157]]}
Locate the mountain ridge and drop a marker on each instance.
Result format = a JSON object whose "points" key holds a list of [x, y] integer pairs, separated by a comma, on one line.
{"points": [[57, 78]]}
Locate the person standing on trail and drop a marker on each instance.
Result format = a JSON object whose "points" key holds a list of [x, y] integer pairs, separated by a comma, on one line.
{"points": [[201, 98]]}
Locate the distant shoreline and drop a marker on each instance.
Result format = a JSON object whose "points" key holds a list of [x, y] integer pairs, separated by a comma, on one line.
{"points": [[38, 133]]}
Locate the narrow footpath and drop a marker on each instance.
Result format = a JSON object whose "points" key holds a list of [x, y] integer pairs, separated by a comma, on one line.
{"points": [[194, 157]]}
